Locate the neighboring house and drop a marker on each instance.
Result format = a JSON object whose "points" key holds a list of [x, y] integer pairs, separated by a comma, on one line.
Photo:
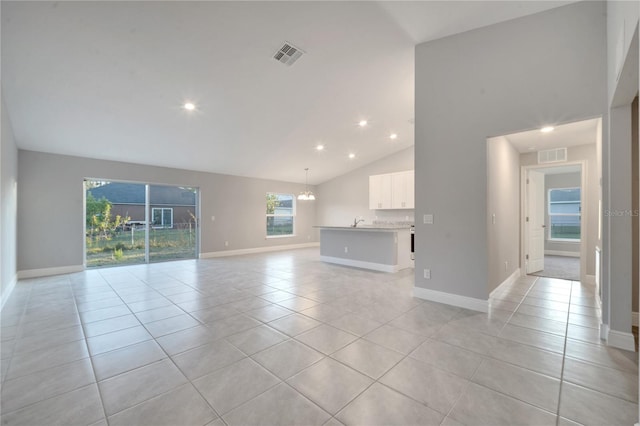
{"points": [[170, 206]]}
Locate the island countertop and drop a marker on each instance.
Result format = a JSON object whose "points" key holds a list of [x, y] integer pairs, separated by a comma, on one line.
{"points": [[381, 228], [384, 248]]}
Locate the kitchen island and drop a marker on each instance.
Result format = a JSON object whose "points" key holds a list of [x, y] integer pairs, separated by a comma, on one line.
{"points": [[380, 248]]}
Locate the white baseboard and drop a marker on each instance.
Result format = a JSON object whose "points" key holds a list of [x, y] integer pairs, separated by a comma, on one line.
{"points": [[8, 290], [562, 253], [238, 252], [604, 331], [506, 283], [45, 272], [634, 319], [621, 340], [451, 299], [590, 279], [599, 302], [362, 264]]}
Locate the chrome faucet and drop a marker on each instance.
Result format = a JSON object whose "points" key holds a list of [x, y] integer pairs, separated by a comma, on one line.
{"points": [[356, 221]]}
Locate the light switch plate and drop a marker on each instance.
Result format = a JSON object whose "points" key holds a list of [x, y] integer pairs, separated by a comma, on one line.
{"points": [[428, 219]]}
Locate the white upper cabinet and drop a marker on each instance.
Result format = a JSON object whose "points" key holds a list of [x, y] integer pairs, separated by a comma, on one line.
{"points": [[392, 191], [402, 190], [380, 192]]}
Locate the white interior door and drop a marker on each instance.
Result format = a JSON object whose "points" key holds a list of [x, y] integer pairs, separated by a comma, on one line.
{"points": [[535, 221]]}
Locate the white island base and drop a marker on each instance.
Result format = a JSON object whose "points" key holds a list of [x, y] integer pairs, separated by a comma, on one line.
{"points": [[380, 249]]}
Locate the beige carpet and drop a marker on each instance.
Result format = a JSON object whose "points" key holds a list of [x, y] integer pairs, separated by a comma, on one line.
{"points": [[567, 268]]}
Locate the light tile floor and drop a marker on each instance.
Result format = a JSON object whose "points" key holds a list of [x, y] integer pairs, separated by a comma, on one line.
{"points": [[282, 338]]}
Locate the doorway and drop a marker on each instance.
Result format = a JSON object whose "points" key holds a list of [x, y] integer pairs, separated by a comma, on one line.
{"points": [[554, 221], [129, 223]]}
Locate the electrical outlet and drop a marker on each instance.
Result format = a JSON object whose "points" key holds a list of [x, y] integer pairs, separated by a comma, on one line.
{"points": [[226, 243], [346, 249], [213, 218], [493, 218], [506, 265], [427, 274]]}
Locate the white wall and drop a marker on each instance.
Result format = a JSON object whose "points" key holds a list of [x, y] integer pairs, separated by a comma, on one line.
{"points": [[50, 222], [622, 83], [547, 68], [503, 201], [8, 207], [341, 199], [622, 20]]}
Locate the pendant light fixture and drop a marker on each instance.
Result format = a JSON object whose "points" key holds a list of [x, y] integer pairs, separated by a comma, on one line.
{"points": [[306, 195]]}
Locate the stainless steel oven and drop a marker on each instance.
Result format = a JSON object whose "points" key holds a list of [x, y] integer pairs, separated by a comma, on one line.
{"points": [[413, 234]]}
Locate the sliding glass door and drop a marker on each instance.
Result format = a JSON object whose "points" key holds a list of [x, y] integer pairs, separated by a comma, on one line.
{"points": [[130, 223], [173, 233]]}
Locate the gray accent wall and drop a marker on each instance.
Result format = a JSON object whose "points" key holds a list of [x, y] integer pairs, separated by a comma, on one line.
{"points": [[503, 201], [8, 206], [622, 82], [50, 207], [554, 181], [365, 246], [341, 199], [508, 77]]}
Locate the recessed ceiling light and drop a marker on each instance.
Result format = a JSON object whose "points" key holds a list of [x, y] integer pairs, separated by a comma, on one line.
{"points": [[393, 136], [320, 147], [189, 106], [362, 123], [352, 155], [547, 129]]}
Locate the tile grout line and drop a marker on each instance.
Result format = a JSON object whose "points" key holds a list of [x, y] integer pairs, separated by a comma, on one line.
{"points": [[564, 356], [325, 356], [168, 357], [18, 333], [486, 356], [66, 364], [405, 356], [82, 324], [408, 355]]}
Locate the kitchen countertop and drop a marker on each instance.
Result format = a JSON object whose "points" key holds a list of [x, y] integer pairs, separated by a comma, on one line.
{"points": [[379, 228]]}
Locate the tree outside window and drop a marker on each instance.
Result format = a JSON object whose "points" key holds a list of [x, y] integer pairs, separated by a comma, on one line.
{"points": [[280, 214]]}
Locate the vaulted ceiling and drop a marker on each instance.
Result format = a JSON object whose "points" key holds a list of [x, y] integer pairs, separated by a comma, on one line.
{"points": [[108, 80]]}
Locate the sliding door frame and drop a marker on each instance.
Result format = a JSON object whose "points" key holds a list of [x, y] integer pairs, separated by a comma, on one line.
{"points": [[147, 217]]}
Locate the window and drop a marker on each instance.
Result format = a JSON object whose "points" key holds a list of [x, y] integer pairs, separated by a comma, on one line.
{"points": [[162, 218], [280, 214], [564, 214]]}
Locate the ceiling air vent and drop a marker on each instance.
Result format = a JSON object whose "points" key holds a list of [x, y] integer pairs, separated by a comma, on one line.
{"points": [[288, 54], [552, 155]]}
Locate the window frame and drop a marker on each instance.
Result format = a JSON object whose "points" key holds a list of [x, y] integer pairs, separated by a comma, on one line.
{"points": [[162, 225], [579, 215], [292, 216]]}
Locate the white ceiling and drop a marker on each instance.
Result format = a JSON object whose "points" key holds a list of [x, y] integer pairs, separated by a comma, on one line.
{"points": [[107, 80], [565, 135]]}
